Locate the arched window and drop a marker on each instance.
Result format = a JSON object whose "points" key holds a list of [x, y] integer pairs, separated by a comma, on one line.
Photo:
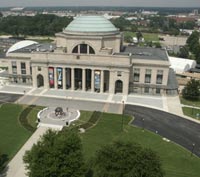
{"points": [[75, 50], [83, 49], [91, 50]]}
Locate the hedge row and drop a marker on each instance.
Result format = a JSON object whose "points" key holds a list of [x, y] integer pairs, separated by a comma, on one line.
{"points": [[23, 118], [93, 120]]}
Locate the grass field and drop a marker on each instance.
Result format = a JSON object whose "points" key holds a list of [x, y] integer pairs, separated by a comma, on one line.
{"points": [[177, 162], [13, 135], [147, 36], [32, 117], [190, 103], [191, 112]]}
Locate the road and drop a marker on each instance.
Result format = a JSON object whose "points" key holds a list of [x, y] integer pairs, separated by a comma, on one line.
{"points": [[7, 98], [177, 129]]}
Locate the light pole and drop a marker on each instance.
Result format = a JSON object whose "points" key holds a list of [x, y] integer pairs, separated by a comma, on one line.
{"points": [[122, 126], [143, 124], [193, 146]]}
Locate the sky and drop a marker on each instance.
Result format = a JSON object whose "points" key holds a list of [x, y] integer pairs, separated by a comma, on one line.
{"points": [[141, 3]]}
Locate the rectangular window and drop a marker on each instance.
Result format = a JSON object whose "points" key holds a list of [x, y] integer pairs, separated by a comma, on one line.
{"points": [[146, 90], [83, 48], [136, 75], [14, 67], [148, 76], [119, 73], [159, 77], [23, 71], [23, 79], [157, 90], [23, 68], [23, 65]]}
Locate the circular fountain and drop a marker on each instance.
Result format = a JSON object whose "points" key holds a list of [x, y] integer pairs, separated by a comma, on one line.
{"points": [[57, 116]]}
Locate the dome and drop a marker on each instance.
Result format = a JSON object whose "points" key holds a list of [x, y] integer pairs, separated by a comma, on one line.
{"points": [[20, 45], [91, 24]]}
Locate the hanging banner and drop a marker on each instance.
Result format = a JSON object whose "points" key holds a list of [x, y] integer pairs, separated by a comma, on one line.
{"points": [[59, 77], [51, 77], [97, 75]]}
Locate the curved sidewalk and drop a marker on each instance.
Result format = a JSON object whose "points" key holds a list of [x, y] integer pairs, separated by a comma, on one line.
{"points": [[16, 167]]}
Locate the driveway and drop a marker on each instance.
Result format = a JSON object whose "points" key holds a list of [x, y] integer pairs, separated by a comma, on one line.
{"points": [[175, 128]]}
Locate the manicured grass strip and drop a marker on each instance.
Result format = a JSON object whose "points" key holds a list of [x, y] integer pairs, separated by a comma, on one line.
{"points": [[177, 161], [92, 121], [23, 118], [32, 116], [192, 112], [12, 134], [84, 117], [190, 103]]}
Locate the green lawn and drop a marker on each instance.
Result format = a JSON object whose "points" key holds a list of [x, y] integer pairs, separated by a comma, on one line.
{"points": [[13, 135], [32, 116], [176, 161], [84, 117], [147, 36], [190, 103], [191, 112]]}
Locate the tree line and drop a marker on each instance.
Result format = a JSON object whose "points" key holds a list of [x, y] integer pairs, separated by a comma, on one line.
{"points": [[36, 25]]}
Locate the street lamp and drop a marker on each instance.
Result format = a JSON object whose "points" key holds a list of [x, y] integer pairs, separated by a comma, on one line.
{"points": [[122, 126], [143, 124], [193, 146]]}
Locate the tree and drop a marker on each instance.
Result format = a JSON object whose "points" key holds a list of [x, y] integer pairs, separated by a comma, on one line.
{"points": [[139, 36], [126, 159], [192, 90], [121, 23], [184, 52], [193, 39], [157, 45], [3, 160], [56, 155], [128, 37], [194, 45]]}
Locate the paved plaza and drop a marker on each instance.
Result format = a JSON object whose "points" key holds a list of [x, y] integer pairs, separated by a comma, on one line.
{"points": [[83, 100], [49, 117]]}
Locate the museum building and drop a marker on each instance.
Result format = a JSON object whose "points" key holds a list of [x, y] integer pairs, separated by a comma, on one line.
{"points": [[89, 56]]}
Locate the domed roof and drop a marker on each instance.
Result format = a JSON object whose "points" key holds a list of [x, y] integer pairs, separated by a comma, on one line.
{"points": [[91, 24], [20, 45]]}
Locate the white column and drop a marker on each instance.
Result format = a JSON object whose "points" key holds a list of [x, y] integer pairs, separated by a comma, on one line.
{"points": [[92, 80], [72, 78], [64, 79], [55, 79], [83, 79], [112, 82], [102, 81], [79, 49]]}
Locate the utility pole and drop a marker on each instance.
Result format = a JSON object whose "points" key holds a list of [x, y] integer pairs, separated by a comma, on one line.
{"points": [[193, 146], [122, 126]]}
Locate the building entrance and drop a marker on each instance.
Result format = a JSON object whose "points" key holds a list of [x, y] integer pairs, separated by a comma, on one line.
{"points": [[40, 81], [118, 86]]}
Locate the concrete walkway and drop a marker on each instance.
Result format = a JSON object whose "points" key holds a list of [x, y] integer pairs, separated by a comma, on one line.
{"points": [[174, 105], [16, 167]]}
